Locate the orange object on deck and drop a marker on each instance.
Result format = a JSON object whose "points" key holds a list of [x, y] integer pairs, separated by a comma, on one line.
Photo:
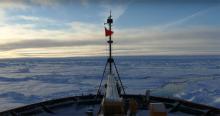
{"points": [[113, 108], [157, 109], [133, 106]]}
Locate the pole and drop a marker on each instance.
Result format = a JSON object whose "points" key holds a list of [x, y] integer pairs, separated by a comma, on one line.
{"points": [[110, 50], [110, 60]]}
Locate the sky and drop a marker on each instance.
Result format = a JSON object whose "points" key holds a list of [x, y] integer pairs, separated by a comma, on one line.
{"points": [[71, 28]]}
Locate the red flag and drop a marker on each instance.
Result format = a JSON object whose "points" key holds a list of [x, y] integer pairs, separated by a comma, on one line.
{"points": [[108, 32]]}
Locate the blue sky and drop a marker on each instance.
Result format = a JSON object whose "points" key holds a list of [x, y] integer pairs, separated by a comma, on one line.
{"points": [[68, 28]]}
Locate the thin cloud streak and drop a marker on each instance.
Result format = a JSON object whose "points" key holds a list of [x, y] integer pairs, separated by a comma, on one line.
{"points": [[44, 43], [117, 8], [185, 19], [36, 19]]}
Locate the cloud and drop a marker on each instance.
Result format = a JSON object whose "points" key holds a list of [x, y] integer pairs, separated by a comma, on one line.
{"points": [[184, 40], [77, 30], [85, 2], [136, 41], [46, 3], [185, 19], [117, 11], [51, 3], [2, 17], [15, 4], [26, 3], [117, 8], [45, 43], [23, 39], [36, 19]]}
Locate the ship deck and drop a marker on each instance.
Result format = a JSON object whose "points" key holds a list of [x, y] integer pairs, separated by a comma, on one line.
{"points": [[79, 105], [81, 110]]}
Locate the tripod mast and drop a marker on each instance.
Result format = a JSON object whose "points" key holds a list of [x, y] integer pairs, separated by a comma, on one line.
{"points": [[110, 60]]}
